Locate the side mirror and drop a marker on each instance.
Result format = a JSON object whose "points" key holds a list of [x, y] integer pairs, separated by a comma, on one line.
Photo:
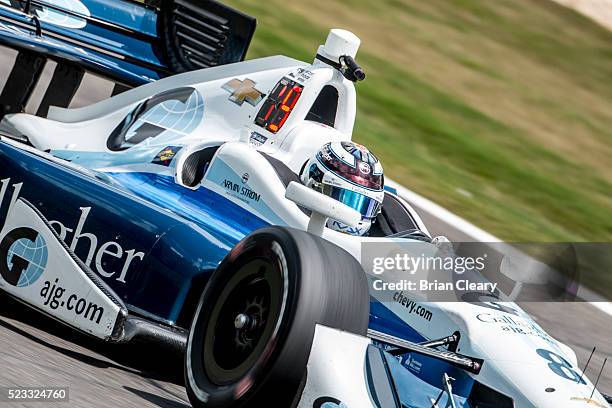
{"points": [[322, 207]]}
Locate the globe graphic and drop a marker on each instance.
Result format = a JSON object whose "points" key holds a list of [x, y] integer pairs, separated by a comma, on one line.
{"points": [[35, 253], [169, 119]]}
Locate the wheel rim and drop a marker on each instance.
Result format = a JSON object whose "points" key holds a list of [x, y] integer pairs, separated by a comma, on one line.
{"points": [[243, 320]]}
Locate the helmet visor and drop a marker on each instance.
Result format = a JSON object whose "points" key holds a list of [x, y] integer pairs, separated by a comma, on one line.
{"points": [[367, 206]]}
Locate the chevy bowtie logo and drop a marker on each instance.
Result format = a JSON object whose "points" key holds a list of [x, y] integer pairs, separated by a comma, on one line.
{"points": [[243, 91]]}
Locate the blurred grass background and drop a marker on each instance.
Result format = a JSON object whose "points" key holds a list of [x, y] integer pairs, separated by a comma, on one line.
{"points": [[500, 110]]}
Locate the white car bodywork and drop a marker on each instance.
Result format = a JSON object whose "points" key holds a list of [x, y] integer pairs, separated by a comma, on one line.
{"points": [[507, 342]]}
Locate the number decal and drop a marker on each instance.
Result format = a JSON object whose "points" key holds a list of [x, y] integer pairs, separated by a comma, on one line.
{"points": [[560, 366]]}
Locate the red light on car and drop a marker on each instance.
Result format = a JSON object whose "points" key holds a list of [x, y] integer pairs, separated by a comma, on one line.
{"points": [[279, 105], [287, 97]]}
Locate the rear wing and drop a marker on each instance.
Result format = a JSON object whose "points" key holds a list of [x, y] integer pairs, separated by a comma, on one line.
{"points": [[128, 42]]}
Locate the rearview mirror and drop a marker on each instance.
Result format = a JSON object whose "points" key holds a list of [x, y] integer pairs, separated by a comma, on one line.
{"points": [[322, 207]]}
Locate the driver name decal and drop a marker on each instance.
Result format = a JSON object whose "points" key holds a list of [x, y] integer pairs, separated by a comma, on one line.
{"points": [[242, 191]]}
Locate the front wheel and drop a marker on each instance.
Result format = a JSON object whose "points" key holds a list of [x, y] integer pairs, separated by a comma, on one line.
{"points": [[253, 329]]}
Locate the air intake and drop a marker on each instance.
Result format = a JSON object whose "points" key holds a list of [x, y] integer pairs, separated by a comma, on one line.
{"points": [[201, 34]]}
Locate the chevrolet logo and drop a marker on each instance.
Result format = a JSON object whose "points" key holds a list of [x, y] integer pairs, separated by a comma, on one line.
{"points": [[243, 91]]}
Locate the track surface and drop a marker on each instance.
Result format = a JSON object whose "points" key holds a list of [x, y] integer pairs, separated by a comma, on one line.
{"points": [[38, 352]]}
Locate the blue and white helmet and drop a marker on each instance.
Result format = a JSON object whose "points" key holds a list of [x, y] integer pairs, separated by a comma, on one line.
{"points": [[350, 173]]}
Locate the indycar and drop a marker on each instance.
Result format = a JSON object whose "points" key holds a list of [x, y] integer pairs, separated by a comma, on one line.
{"points": [[173, 212]]}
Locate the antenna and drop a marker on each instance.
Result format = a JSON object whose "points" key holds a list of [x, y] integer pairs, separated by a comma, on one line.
{"points": [[585, 367], [596, 381]]}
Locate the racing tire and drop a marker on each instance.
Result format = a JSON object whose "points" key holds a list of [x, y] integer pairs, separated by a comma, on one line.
{"points": [[253, 329]]}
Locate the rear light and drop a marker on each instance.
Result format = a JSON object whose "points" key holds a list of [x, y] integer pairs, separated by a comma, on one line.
{"points": [[279, 105]]}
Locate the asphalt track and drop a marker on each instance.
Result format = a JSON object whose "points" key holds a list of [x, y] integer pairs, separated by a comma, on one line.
{"points": [[38, 352]]}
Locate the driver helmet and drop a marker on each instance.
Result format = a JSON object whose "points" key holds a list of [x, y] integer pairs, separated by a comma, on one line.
{"points": [[350, 173]]}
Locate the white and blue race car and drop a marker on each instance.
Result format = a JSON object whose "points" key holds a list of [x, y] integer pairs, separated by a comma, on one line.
{"points": [[174, 212]]}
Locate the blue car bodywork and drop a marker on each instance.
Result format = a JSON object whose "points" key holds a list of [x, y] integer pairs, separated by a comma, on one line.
{"points": [[133, 60], [130, 42], [171, 237]]}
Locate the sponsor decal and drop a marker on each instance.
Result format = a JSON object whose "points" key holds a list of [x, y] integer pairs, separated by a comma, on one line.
{"points": [[412, 306], [257, 139], [245, 178], [408, 360], [164, 158], [53, 295], [302, 75], [411, 363], [328, 402], [48, 276], [25, 253], [243, 192], [23, 256], [347, 229], [513, 324], [227, 181], [166, 116], [98, 254], [241, 91], [365, 168]]}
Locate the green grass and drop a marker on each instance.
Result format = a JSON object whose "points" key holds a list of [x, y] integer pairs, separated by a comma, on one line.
{"points": [[499, 110]]}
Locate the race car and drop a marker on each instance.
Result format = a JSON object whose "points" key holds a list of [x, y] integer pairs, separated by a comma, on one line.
{"points": [[174, 212]]}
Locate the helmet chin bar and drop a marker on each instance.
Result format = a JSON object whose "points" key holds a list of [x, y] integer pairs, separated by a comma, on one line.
{"points": [[322, 207]]}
